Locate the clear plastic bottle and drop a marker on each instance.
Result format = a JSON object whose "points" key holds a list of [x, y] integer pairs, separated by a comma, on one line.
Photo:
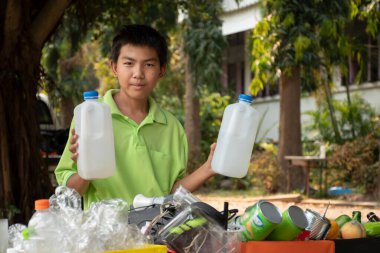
{"points": [[43, 230], [236, 138], [93, 124]]}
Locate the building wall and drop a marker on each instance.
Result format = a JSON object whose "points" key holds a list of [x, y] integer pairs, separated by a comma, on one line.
{"points": [[269, 108]]}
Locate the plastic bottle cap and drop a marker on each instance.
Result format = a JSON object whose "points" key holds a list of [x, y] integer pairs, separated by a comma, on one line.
{"points": [[92, 94], [246, 98], [41, 204]]}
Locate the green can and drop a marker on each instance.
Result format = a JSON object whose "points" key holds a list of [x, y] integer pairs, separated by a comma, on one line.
{"points": [[293, 223], [259, 220]]}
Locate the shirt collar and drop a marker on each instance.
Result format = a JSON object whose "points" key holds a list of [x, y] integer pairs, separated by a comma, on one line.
{"points": [[155, 113]]}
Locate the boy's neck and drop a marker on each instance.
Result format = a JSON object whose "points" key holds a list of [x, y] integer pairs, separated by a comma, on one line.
{"points": [[134, 109]]}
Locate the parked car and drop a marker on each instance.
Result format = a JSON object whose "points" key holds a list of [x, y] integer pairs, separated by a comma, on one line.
{"points": [[53, 137]]}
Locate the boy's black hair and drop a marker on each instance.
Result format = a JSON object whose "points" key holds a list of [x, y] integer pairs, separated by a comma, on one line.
{"points": [[140, 35]]}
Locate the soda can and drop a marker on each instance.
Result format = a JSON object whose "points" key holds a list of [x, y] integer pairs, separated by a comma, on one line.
{"points": [[259, 220]]}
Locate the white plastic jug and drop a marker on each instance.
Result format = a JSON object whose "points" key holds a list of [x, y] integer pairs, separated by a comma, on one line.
{"points": [[96, 149], [236, 138]]}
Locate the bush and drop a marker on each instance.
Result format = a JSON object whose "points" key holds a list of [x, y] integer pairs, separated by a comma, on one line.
{"points": [[264, 171], [355, 164], [353, 121], [212, 109]]}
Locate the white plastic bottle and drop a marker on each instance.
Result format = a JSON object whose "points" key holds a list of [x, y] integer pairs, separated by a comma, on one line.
{"points": [[93, 124], [236, 138], [43, 227]]}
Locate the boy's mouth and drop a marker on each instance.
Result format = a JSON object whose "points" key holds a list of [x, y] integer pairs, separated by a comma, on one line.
{"points": [[139, 86]]}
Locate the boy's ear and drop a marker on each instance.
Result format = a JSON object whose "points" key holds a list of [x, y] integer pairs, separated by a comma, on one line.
{"points": [[162, 71], [113, 67]]}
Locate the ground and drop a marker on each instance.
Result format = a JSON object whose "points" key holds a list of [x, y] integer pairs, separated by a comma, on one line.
{"points": [[336, 207]]}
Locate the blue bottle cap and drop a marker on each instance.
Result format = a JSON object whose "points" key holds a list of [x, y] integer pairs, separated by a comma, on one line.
{"points": [[92, 94], [245, 98]]}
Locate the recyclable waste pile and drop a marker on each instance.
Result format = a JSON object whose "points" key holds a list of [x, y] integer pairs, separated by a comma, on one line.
{"points": [[180, 222], [264, 221], [185, 224], [64, 227]]}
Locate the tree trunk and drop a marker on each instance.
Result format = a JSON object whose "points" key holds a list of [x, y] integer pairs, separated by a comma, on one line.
{"points": [[192, 119], [67, 112], [24, 31], [23, 179], [290, 127]]}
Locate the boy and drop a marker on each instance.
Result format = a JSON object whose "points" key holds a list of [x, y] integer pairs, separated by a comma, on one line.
{"points": [[150, 143]]}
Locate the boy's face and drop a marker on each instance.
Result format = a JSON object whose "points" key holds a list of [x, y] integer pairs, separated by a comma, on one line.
{"points": [[137, 70]]}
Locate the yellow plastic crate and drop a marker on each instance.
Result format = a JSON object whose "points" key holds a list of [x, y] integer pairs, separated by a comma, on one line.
{"points": [[146, 249]]}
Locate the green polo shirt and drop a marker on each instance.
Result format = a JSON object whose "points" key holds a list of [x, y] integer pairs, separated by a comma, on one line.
{"points": [[150, 157]]}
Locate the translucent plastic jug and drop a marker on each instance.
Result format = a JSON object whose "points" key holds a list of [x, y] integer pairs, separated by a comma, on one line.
{"points": [[236, 138], [93, 124]]}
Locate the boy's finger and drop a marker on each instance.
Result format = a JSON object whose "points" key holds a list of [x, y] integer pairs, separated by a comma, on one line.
{"points": [[212, 147], [73, 148], [74, 139], [74, 157]]}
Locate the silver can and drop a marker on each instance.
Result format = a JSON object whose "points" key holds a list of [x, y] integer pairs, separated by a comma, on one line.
{"points": [[318, 225]]}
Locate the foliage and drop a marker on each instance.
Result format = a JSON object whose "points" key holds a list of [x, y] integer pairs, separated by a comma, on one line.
{"points": [[264, 171], [355, 164], [106, 78], [363, 26], [203, 41], [211, 112], [9, 212], [297, 33], [212, 109], [69, 72], [367, 10], [170, 90], [362, 114]]}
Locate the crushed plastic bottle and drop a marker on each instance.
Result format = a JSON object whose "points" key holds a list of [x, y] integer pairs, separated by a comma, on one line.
{"points": [[15, 236], [61, 226]]}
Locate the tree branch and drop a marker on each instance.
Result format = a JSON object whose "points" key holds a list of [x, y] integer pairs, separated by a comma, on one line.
{"points": [[46, 20]]}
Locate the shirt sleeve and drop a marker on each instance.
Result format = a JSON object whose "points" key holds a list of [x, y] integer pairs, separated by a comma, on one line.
{"points": [[66, 167], [184, 156]]}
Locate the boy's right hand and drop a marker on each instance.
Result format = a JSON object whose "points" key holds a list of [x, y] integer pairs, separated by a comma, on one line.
{"points": [[74, 146]]}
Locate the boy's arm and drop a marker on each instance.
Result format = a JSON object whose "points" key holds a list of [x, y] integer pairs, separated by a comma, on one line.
{"points": [[78, 183], [193, 181]]}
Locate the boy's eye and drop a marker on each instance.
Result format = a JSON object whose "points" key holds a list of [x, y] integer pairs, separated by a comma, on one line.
{"points": [[128, 63], [150, 64]]}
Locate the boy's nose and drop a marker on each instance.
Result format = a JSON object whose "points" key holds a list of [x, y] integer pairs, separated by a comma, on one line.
{"points": [[138, 72]]}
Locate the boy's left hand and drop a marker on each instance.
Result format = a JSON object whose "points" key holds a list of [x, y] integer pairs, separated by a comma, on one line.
{"points": [[210, 156]]}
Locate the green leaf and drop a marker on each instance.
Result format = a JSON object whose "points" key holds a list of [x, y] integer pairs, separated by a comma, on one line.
{"points": [[300, 45]]}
